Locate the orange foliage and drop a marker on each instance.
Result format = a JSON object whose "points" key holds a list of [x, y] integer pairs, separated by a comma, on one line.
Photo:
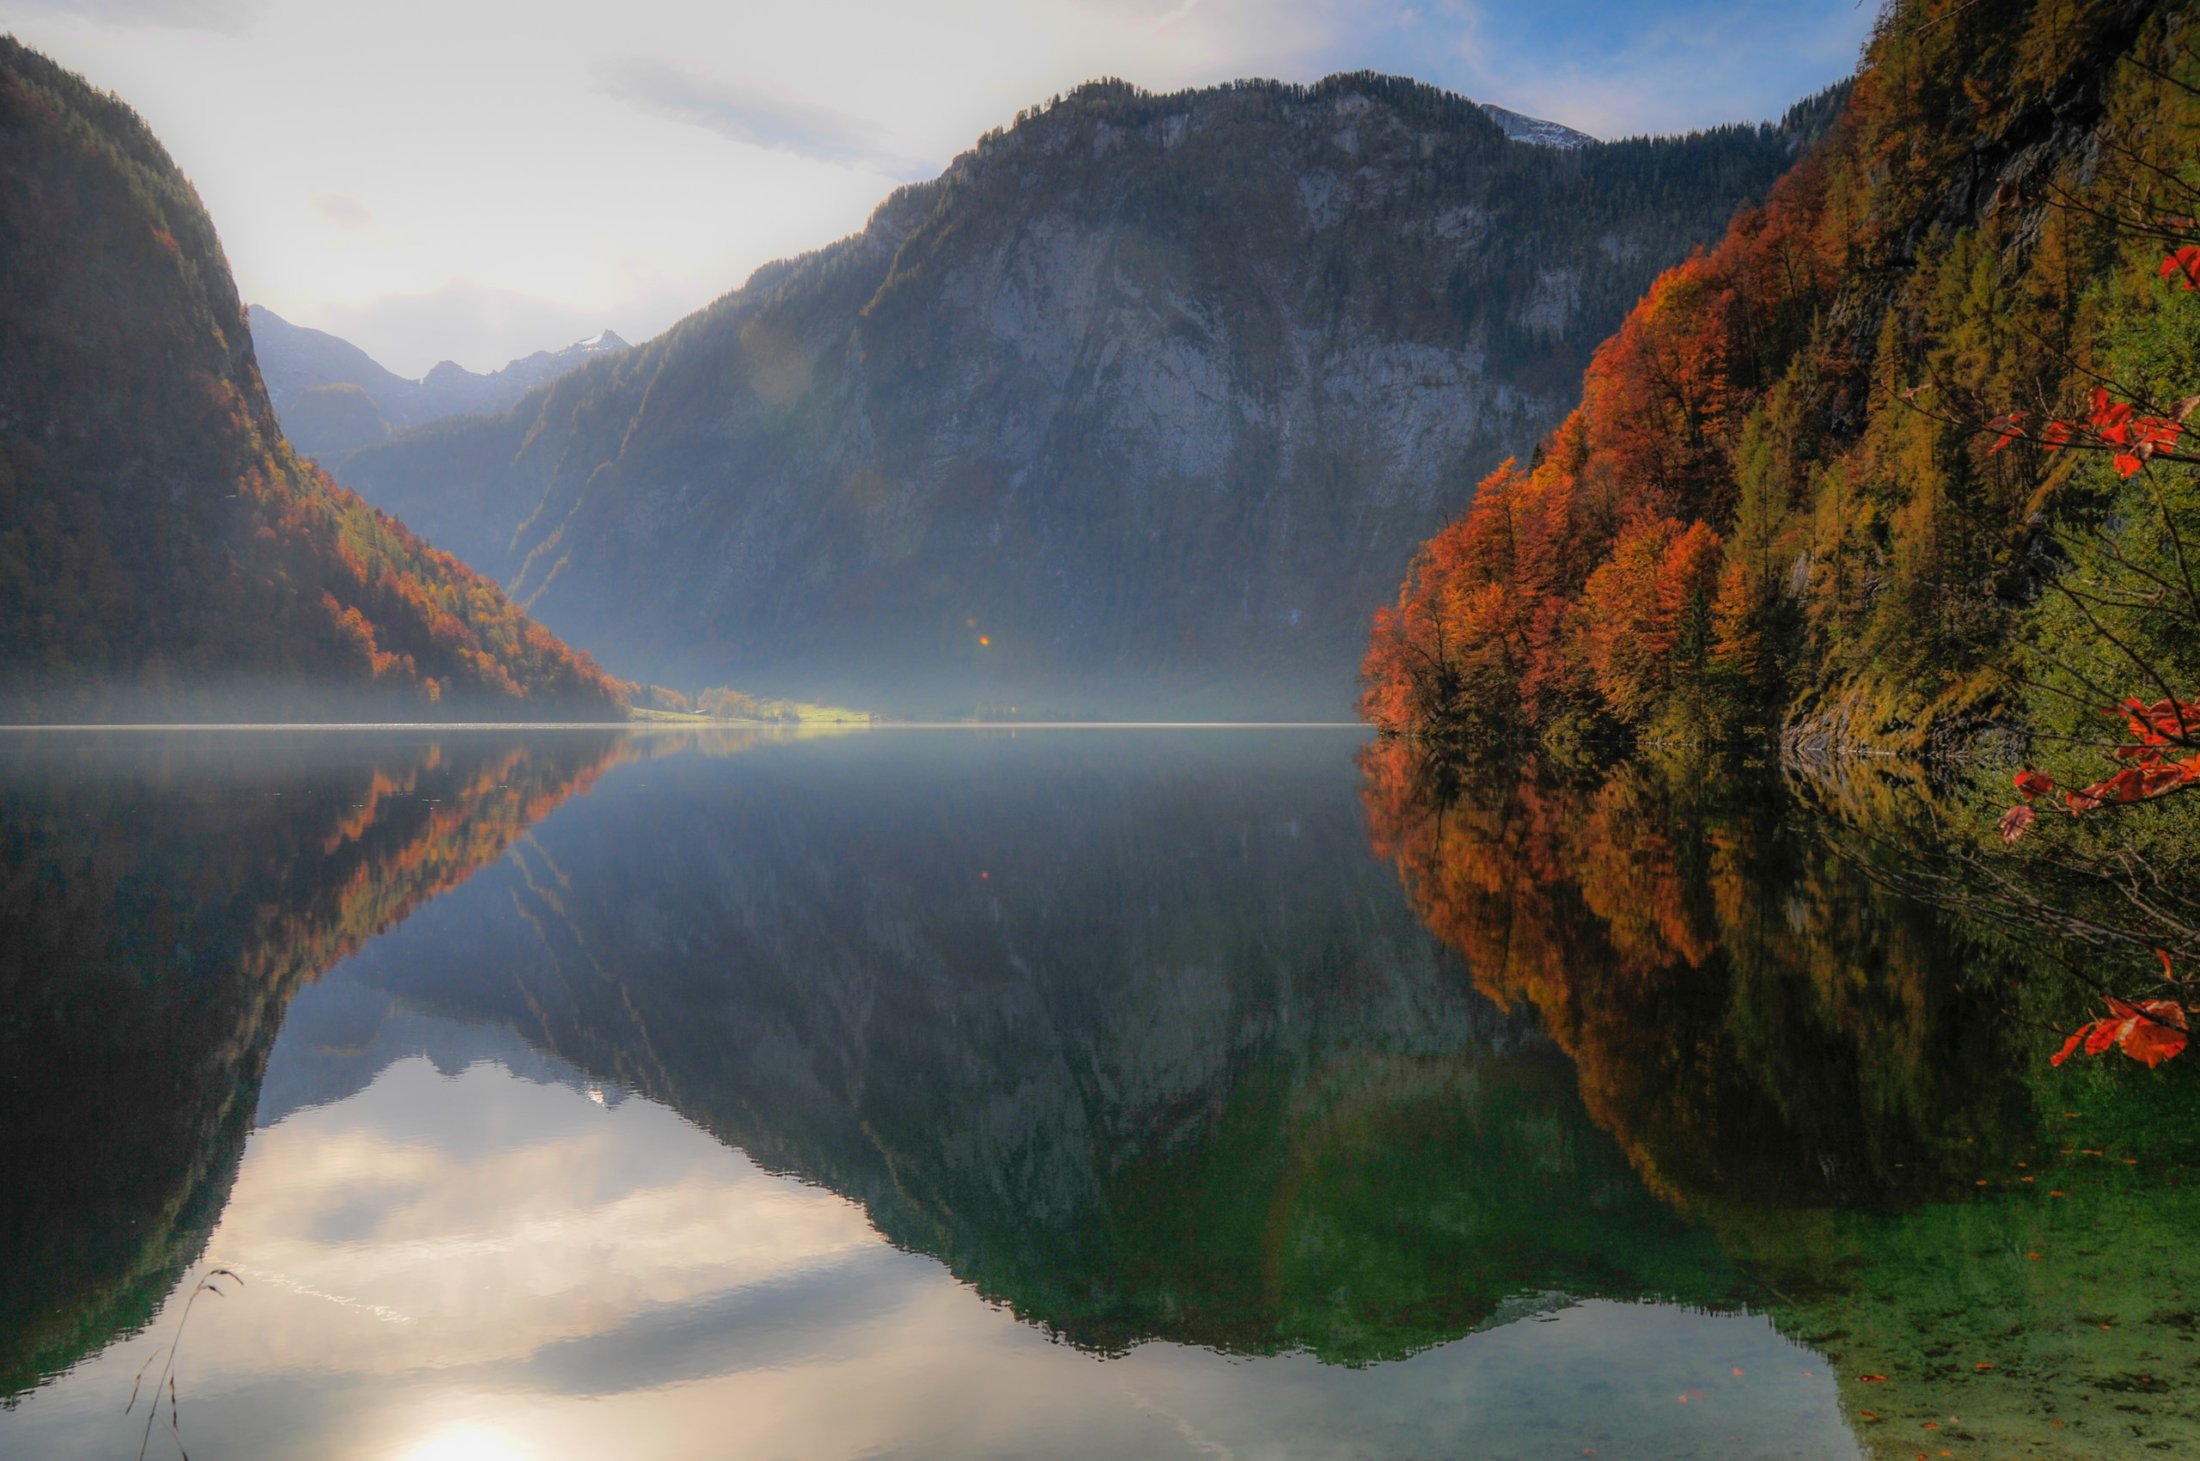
{"points": [[1636, 607], [1497, 625]]}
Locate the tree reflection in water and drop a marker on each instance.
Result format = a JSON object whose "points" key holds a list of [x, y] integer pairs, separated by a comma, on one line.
{"points": [[161, 900], [1847, 1081]]}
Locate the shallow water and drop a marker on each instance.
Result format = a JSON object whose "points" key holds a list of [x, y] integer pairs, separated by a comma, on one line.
{"points": [[1057, 1093]]}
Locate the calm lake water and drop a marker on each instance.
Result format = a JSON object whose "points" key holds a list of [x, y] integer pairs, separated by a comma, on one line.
{"points": [[1059, 1093]]}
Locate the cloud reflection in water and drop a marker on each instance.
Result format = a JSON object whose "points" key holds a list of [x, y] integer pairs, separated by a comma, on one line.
{"points": [[491, 1266]]}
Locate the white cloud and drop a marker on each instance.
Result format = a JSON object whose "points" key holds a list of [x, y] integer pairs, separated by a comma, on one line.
{"points": [[752, 116], [214, 15], [342, 211]]}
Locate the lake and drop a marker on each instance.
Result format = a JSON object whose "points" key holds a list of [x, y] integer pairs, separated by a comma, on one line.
{"points": [[1060, 1093]]}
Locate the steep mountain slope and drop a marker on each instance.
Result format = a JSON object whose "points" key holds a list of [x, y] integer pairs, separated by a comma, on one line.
{"points": [[1142, 404], [332, 396], [1817, 476], [162, 551]]}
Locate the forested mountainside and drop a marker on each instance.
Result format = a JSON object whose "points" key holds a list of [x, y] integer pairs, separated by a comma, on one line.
{"points": [[1142, 404], [1897, 462], [331, 396], [163, 552]]}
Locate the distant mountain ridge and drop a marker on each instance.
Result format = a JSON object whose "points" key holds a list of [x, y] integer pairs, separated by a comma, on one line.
{"points": [[1141, 406], [332, 396]]}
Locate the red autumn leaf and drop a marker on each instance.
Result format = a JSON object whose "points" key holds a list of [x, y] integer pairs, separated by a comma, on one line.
{"points": [[2150, 1045], [1872, 1379], [2015, 823], [2069, 1048], [2153, 1031], [2127, 464], [2167, 972], [2132, 784], [2006, 429], [2161, 780], [2055, 434], [2150, 1032], [2128, 785], [2159, 724], [2032, 783], [2184, 262]]}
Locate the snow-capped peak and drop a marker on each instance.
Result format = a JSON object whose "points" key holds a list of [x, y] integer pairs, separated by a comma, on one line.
{"points": [[1535, 130]]}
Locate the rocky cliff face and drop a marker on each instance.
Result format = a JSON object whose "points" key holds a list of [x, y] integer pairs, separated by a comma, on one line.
{"points": [[1142, 405]]}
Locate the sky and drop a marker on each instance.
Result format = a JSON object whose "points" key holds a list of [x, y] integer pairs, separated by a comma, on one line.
{"points": [[459, 179]]}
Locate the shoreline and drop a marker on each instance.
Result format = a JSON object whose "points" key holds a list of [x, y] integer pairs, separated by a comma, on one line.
{"points": [[661, 727]]}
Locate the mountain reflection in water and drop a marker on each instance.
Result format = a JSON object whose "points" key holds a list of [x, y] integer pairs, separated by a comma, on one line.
{"points": [[700, 1111]]}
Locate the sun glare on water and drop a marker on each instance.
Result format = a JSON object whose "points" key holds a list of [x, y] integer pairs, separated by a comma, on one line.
{"points": [[467, 1443]]}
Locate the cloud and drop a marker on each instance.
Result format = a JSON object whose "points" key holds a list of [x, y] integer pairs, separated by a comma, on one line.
{"points": [[346, 213], [226, 16], [830, 1302], [747, 115]]}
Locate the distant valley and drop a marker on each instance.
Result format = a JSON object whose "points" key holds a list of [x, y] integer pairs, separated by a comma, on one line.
{"points": [[334, 397]]}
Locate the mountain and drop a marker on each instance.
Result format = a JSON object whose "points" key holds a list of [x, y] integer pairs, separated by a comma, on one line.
{"points": [[332, 396], [163, 552], [1138, 407], [1899, 463]]}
